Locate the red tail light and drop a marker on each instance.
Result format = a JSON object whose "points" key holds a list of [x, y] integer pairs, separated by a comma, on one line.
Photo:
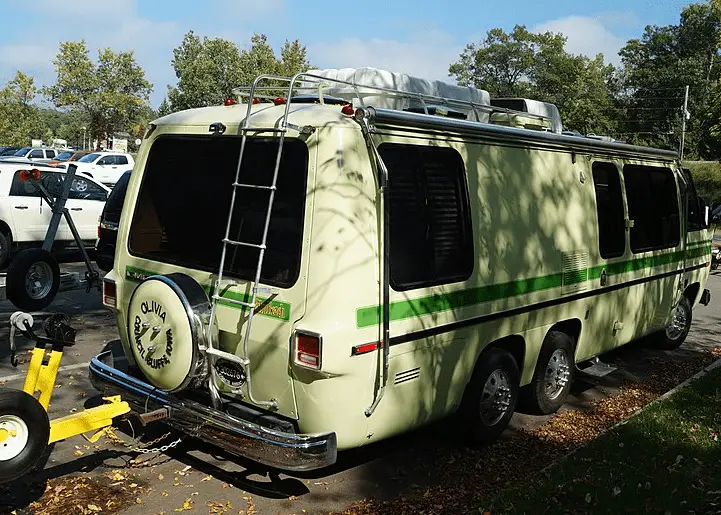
{"points": [[256, 100], [229, 102], [307, 349], [26, 175], [347, 110], [109, 293], [279, 101]]}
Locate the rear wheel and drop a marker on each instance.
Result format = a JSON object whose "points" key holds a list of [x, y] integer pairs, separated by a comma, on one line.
{"points": [[551, 381], [24, 433], [491, 395], [33, 279], [4, 249], [677, 330]]}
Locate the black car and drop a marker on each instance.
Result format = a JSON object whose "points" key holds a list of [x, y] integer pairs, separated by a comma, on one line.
{"points": [[109, 221], [8, 151]]}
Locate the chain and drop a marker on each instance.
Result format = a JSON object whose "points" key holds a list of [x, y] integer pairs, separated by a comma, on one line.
{"points": [[144, 448]]}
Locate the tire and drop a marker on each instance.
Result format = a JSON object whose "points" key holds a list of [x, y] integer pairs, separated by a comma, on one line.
{"points": [[673, 336], [553, 376], [483, 423], [22, 414], [4, 249], [26, 264]]}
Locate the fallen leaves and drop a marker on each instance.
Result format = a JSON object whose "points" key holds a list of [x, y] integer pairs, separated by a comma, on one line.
{"points": [[187, 505]]}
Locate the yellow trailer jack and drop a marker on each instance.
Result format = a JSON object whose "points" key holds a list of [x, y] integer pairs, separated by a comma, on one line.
{"points": [[25, 428]]}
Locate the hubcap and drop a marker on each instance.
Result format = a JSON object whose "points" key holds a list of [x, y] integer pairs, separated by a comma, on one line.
{"points": [[678, 324], [39, 280], [557, 373], [495, 398], [13, 436]]}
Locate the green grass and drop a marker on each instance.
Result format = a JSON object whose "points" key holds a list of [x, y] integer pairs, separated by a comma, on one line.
{"points": [[707, 179], [666, 460]]}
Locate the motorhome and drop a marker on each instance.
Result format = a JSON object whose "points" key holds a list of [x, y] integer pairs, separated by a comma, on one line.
{"points": [[331, 259]]}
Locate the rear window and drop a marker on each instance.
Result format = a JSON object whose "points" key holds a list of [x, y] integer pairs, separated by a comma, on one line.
{"points": [[182, 208], [114, 205]]}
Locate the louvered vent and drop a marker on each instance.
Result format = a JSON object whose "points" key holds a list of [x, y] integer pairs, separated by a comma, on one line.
{"points": [[575, 272], [407, 375]]}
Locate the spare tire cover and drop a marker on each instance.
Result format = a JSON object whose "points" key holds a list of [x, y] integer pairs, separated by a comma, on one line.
{"points": [[165, 317]]}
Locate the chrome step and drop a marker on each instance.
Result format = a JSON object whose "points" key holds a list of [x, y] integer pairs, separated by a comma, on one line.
{"points": [[596, 368]]}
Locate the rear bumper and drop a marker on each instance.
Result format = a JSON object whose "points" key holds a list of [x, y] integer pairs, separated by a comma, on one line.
{"points": [[277, 449]]}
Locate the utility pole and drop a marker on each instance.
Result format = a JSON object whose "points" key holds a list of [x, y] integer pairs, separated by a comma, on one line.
{"points": [[684, 117]]}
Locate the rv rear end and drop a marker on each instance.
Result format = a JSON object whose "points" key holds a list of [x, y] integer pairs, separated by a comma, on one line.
{"points": [[296, 378]]}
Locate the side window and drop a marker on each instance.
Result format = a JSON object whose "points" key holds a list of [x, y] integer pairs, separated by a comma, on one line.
{"points": [[609, 205], [121, 160], [36, 154], [23, 189], [653, 206], [50, 154], [105, 160], [430, 225], [85, 189], [695, 216]]}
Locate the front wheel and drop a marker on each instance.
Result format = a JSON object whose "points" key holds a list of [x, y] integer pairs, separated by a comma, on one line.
{"points": [[677, 330], [491, 395], [24, 433], [33, 279]]}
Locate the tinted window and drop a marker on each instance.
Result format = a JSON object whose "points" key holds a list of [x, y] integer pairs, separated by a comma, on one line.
{"points": [[50, 180], [430, 228], [36, 154], [121, 160], [107, 160], [695, 214], [85, 189], [653, 206], [181, 213], [50, 153], [609, 206], [114, 205]]}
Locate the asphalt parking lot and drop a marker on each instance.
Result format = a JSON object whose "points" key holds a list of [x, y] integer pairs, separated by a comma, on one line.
{"points": [[193, 478]]}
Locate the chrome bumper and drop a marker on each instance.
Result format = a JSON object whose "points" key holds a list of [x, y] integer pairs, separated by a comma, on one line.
{"points": [[284, 451]]}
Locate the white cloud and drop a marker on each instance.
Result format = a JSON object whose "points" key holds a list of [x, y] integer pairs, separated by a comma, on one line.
{"points": [[586, 35], [427, 57]]}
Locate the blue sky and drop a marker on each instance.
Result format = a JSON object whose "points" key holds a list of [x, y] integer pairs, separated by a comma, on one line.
{"points": [[418, 37]]}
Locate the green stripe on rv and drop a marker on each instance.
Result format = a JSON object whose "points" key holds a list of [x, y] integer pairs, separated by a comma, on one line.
{"points": [[370, 315], [263, 306]]}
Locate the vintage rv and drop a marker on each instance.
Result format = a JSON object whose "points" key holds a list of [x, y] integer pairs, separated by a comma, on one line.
{"points": [[331, 259]]}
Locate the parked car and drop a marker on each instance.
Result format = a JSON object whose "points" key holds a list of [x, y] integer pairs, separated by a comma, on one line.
{"points": [[34, 153], [24, 214], [106, 167], [108, 224], [8, 151], [68, 156]]}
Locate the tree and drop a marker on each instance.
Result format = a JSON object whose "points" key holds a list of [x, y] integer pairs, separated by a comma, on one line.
{"points": [[208, 69], [19, 118], [536, 65], [112, 94], [658, 67]]}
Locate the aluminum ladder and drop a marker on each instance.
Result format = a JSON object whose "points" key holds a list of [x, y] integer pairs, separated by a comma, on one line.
{"points": [[216, 297]]}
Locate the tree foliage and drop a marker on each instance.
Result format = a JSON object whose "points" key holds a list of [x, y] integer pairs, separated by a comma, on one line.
{"points": [[19, 118], [208, 69], [536, 65], [112, 94]]}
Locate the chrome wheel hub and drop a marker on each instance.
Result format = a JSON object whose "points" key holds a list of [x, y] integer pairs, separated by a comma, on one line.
{"points": [[557, 373], [14, 436], [495, 398], [678, 324], [39, 280]]}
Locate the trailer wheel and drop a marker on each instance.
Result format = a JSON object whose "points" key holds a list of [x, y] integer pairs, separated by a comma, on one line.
{"points": [[33, 279], [24, 433], [675, 333], [491, 395], [552, 378]]}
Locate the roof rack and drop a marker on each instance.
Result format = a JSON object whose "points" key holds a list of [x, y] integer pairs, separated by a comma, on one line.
{"points": [[362, 87]]}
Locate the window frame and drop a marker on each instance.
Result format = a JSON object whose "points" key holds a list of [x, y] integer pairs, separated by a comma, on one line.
{"points": [[692, 189], [624, 209], [469, 256], [677, 196]]}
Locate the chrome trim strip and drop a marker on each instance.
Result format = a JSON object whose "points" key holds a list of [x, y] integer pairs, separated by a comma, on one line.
{"points": [[277, 449]]}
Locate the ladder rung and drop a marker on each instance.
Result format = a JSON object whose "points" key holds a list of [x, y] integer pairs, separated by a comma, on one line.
{"points": [[254, 186], [232, 301], [264, 129], [243, 244], [227, 355]]}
